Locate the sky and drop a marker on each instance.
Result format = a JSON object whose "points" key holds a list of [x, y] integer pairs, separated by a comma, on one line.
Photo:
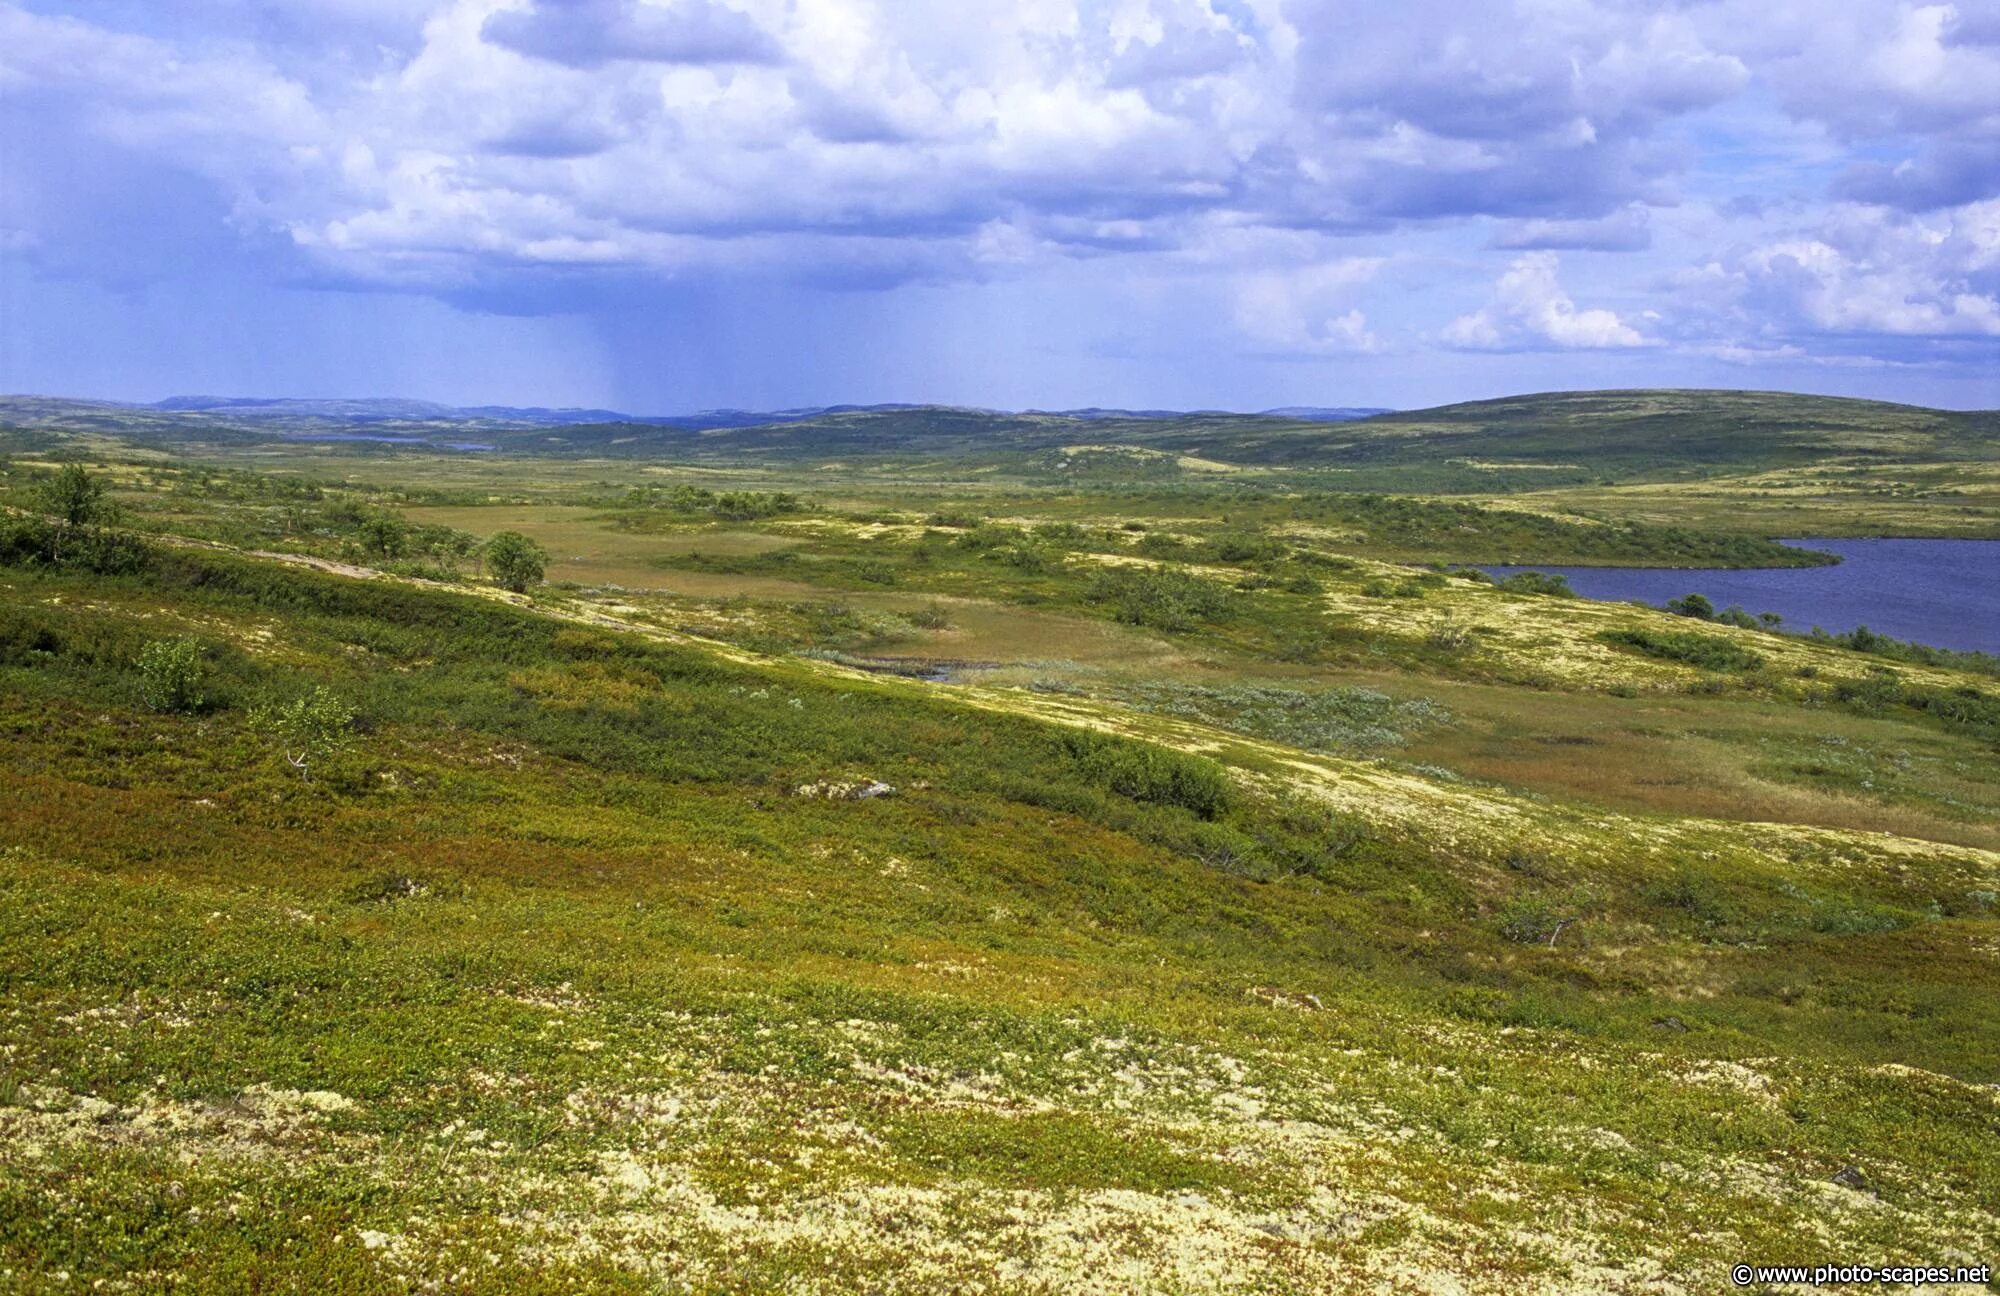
{"points": [[669, 205]]}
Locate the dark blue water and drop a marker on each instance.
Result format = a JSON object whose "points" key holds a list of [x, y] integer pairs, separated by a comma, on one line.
{"points": [[1940, 592]]}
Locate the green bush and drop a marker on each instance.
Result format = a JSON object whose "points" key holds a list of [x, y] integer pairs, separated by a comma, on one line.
{"points": [[1157, 775], [1692, 605], [310, 729], [1858, 920], [73, 496], [170, 674], [1710, 652], [515, 561], [1554, 584], [29, 541], [1165, 598], [1530, 920], [1736, 615], [1690, 893]]}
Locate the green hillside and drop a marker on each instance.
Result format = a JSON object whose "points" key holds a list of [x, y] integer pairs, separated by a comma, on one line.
{"points": [[1242, 913]]}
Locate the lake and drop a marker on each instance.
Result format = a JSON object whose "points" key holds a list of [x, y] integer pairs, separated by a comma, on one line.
{"points": [[1940, 592]]}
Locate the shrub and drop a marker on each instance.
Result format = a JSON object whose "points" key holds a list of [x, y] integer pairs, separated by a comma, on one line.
{"points": [[1711, 652], [931, 616], [76, 536], [1241, 547], [732, 506], [1554, 584], [310, 729], [988, 535], [73, 496], [1530, 920], [1692, 605], [1157, 775], [515, 561], [1690, 893], [385, 535], [1027, 557], [1736, 616], [170, 674], [1447, 635], [1158, 545], [1858, 920], [105, 552], [1165, 598]]}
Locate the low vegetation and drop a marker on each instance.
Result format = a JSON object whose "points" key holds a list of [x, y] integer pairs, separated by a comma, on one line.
{"points": [[1710, 652], [497, 877]]}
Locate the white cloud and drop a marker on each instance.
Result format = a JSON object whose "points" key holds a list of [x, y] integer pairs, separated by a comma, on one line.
{"points": [[1299, 311], [1868, 272], [1529, 310], [498, 147], [683, 135]]}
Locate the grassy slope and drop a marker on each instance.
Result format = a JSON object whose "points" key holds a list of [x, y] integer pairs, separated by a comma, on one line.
{"points": [[560, 984]]}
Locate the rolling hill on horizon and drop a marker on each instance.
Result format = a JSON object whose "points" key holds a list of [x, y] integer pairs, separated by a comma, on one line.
{"points": [[1509, 445]]}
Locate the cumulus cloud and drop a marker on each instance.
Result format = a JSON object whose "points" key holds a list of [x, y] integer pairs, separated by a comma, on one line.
{"points": [[682, 135], [1305, 311], [510, 151], [1865, 272], [1946, 174], [1920, 83], [1528, 111], [1529, 310]]}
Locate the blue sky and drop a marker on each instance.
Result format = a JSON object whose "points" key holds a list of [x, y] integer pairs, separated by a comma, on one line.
{"points": [[665, 205]]}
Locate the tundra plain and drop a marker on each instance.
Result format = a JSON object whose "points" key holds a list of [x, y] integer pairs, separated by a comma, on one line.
{"points": [[917, 851]]}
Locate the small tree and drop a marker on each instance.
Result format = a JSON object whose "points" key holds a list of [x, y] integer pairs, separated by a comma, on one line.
{"points": [[74, 496], [1692, 605], [77, 500], [385, 535], [311, 729], [170, 674], [515, 561]]}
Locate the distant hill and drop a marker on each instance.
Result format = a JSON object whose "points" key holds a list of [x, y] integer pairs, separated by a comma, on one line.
{"points": [[387, 409], [1547, 439], [1583, 435]]}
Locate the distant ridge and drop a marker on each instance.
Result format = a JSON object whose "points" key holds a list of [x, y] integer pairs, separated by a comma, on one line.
{"points": [[376, 409], [1539, 440], [387, 409]]}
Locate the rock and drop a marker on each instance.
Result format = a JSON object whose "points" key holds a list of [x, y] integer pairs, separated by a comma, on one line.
{"points": [[859, 790], [1849, 1177], [1277, 998], [1670, 1024]]}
